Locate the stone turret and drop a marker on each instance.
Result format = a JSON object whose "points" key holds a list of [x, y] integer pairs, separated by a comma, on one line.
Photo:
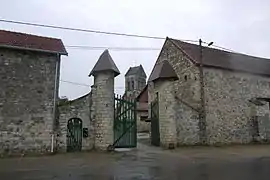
{"points": [[104, 73], [163, 77]]}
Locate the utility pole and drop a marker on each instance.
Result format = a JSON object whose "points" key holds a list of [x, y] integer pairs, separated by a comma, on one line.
{"points": [[202, 115]]}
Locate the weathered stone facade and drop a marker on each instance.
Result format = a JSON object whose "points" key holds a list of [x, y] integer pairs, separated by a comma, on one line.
{"points": [[29, 85], [104, 109], [167, 121], [186, 97], [229, 102], [228, 109], [78, 108]]}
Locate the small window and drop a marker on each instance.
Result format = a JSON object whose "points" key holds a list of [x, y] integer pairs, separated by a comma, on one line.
{"points": [[143, 118], [185, 77], [128, 85], [132, 85]]}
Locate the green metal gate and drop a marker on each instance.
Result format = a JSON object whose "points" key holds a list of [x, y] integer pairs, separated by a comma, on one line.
{"points": [[125, 126], [155, 136], [74, 135]]}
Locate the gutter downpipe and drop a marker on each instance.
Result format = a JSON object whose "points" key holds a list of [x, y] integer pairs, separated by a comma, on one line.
{"points": [[54, 101]]}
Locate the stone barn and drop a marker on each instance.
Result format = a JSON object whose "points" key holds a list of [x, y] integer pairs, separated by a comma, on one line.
{"points": [[29, 83], [223, 101]]}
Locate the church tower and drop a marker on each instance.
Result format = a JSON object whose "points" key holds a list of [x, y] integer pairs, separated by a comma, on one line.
{"points": [[135, 81]]}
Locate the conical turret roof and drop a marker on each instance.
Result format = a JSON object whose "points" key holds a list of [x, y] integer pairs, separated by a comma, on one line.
{"points": [[105, 63]]}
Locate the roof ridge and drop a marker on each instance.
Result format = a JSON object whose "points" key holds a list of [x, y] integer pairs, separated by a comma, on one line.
{"points": [[16, 32], [216, 49]]}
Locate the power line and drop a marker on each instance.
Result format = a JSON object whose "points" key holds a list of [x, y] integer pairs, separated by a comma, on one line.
{"points": [[87, 30], [79, 30], [98, 32], [81, 84], [114, 48]]}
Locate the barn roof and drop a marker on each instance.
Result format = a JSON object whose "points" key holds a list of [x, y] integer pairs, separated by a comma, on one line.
{"points": [[30, 42], [223, 59]]}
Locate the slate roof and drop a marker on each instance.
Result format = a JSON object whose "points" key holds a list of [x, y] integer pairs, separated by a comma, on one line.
{"points": [[143, 96], [135, 70], [30, 42], [163, 70], [105, 63], [226, 60]]}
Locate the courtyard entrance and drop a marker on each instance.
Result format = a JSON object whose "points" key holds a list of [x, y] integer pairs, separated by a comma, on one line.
{"points": [[155, 136], [125, 126], [74, 135]]}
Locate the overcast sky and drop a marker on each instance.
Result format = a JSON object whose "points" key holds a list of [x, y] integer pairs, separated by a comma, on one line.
{"points": [[242, 26]]}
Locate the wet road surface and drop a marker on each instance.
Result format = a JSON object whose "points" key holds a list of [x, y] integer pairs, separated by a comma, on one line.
{"points": [[143, 163]]}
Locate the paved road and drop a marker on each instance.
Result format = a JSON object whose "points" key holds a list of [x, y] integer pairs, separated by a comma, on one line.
{"points": [[145, 163]]}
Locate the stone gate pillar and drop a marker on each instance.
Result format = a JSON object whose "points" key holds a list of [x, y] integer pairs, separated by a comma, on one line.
{"points": [[163, 77], [104, 73]]}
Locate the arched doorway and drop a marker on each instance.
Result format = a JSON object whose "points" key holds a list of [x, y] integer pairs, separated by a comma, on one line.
{"points": [[74, 135]]}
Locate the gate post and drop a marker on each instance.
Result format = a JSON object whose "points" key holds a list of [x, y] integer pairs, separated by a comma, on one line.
{"points": [[167, 113], [163, 86], [104, 73]]}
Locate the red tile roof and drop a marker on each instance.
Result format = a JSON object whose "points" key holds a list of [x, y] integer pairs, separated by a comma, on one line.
{"points": [[17, 40]]}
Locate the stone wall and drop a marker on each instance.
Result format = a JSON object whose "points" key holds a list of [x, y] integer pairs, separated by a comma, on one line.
{"points": [[142, 126], [187, 128], [104, 109], [228, 109], [27, 86], [186, 93], [167, 116], [187, 88], [78, 108]]}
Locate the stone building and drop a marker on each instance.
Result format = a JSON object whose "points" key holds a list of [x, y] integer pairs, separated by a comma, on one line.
{"points": [[135, 83], [224, 102], [29, 83], [95, 111]]}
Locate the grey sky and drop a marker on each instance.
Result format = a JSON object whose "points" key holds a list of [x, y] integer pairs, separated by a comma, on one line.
{"points": [[242, 25]]}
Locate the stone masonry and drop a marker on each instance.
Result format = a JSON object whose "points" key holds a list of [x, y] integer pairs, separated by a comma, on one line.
{"points": [[27, 94], [186, 94], [104, 112], [228, 107], [167, 122], [228, 95], [104, 73], [78, 108]]}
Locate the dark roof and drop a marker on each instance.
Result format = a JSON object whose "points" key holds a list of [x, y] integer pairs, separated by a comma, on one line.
{"points": [[163, 70], [135, 70], [226, 60], [23, 41], [143, 96], [105, 63]]}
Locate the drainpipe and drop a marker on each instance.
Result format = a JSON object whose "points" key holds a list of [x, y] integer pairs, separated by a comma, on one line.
{"points": [[55, 97]]}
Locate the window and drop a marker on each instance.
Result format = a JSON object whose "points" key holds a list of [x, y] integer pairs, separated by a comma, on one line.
{"points": [[132, 85], [128, 85], [143, 118], [185, 77]]}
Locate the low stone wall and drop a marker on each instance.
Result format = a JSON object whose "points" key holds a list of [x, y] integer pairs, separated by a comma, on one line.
{"points": [[142, 126], [78, 108]]}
